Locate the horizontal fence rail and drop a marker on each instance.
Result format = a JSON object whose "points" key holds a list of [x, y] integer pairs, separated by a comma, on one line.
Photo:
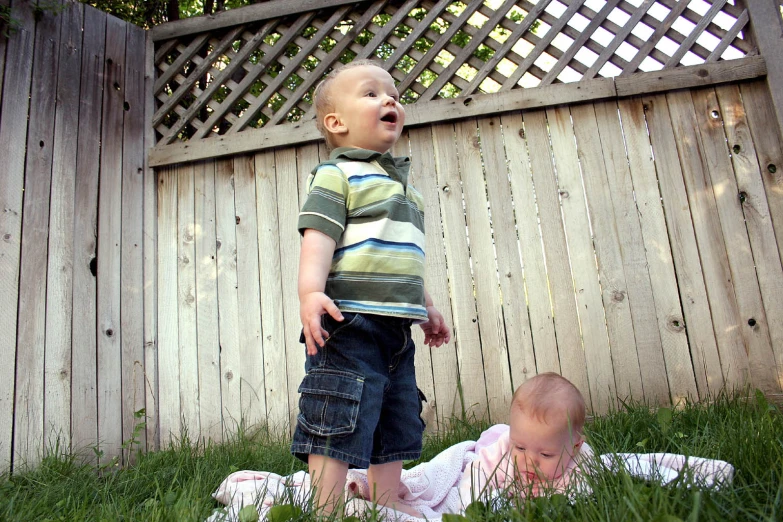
{"points": [[244, 80]]}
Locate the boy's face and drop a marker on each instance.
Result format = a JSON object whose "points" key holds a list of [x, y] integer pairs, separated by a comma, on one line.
{"points": [[540, 451], [367, 112]]}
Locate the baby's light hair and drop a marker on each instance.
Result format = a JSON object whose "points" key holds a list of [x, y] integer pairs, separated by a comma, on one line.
{"points": [[322, 95], [550, 397]]}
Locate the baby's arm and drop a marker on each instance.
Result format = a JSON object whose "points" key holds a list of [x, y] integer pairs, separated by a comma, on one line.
{"points": [[436, 331], [314, 263]]}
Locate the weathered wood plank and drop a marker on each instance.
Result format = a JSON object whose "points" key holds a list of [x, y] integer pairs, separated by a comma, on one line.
{"points": [[583, 263], [275, 372], [621, 256], [423, 354], [691, 195], [767, 30], [595, 162], [3, 43], [207, 322], [132, 262], [29, 430], [251, 13], [769, 147], [693, 76], [13, 136], [150, 261], [657, 259], [726, 303], [572, 357], [720, 174], [443, 402], [168, 311], [514, 313], [109, 244], [59, 272], [228, 312], [530, 243], [249, 299], [466, 335], [293, 167], [84, 385], [482, 257], [186, 301], [755, 207]]}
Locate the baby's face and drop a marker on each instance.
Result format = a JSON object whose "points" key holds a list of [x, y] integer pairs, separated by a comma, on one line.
{"points": [[367, 105], [540, 451]]}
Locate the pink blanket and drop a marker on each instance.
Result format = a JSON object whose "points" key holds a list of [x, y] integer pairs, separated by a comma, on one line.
{"points": [[433, 487]]}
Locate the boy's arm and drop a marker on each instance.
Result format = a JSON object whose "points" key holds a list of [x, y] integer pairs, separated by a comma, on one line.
{"points": [[314, 263], [436, 331]]}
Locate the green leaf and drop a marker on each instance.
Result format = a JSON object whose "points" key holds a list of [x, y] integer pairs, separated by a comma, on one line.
{"points": [[664, 416], [761, 401], [448, 517], [250, 514], [283, 512], [476, 510], [170, 498]]}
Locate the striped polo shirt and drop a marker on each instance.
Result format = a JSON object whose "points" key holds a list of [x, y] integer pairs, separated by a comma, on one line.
{"points": [[362, 200]]}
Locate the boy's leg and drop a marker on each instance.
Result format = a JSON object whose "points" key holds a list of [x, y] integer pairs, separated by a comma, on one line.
{"points": [[384, 481], [327, 482]]}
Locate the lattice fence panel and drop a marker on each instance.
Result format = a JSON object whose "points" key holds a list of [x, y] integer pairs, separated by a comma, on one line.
{"points": [[263, 73]]}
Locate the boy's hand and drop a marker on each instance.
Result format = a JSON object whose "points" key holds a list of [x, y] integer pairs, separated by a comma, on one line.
{"points": [[311, 307], [436, 331]]}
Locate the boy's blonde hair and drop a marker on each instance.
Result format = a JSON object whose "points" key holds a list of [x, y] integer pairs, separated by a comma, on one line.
{"points": [[549, 397], [324, 103]]}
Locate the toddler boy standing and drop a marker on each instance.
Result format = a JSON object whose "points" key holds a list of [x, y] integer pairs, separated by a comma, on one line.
{"points": [[361, 287]]}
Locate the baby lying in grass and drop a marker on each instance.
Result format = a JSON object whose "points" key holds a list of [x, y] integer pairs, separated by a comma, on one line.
{"points": [[540, 452], [542, 448]]}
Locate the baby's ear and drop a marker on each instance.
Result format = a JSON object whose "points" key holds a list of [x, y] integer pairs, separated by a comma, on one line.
{"points": [[578, 445], [334, 124]]}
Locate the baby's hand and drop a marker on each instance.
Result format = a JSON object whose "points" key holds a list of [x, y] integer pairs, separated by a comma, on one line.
{"points": [[311, 307], [436, 331]]}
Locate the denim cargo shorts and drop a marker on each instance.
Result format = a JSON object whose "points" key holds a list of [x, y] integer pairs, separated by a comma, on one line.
{"points": [[359, 402]]}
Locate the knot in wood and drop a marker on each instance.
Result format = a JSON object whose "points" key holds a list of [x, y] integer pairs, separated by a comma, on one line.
{"points": [[675, 324], [563, 193], [618, 296], [229, 375]]}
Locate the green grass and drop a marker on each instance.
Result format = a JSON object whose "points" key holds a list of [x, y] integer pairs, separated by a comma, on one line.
{"points": [[176, 484]]}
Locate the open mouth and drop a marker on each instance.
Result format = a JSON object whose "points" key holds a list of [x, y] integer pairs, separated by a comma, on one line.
{"points": [[390, 118]]}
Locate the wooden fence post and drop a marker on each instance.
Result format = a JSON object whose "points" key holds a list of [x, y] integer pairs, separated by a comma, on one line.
{"points": [[766, 27]]}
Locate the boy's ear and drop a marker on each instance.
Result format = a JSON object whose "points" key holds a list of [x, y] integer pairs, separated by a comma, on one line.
{"points": [[334, 124], [578, 445]]}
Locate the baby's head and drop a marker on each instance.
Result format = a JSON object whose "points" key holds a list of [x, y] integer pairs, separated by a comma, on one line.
{"points": [[358, 106], [547, 417]]}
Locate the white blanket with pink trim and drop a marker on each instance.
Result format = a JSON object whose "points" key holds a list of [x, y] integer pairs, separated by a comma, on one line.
{"points": [[433, 487]]}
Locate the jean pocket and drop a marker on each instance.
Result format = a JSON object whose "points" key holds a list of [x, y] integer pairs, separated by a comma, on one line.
{"points": [[334, 327], [329, 402]]}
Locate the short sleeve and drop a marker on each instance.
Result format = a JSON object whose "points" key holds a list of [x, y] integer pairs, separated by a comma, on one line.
{"points": [[325, 208]]}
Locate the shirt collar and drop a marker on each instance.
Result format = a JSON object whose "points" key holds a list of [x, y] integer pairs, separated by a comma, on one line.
{"points": [[397, 167]]}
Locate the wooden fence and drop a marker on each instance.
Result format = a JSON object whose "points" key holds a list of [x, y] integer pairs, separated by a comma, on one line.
{"points": [[73, 190], [615, 217]]}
